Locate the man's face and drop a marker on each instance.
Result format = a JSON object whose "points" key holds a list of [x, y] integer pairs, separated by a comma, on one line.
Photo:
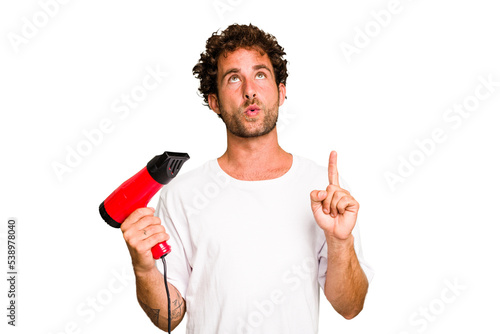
{"points": [[248, 99]]}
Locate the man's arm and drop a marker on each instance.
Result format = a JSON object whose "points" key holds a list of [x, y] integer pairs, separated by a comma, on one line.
{"points": [[152, 297], [336, 211], [141, 231], [346, 284]]}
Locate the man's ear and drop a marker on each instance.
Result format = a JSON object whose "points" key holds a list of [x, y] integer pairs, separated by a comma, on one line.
{"points": [[213, 103], [281, 93]]}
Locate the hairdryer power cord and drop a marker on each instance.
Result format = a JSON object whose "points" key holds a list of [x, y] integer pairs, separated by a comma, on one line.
{"points": [[168, 294]]}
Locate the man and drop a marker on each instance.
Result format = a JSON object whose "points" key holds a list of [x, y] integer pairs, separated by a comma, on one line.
{"points": [[252, 241]]}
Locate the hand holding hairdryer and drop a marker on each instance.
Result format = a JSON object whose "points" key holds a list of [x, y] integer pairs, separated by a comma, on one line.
{"points": [[137, 191]]}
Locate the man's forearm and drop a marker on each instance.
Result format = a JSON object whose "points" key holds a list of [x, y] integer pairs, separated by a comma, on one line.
{"points": [[152, 297], [346, 284]]}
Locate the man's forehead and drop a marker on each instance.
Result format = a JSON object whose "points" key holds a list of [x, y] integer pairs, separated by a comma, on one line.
{"points": [[241, 55]]}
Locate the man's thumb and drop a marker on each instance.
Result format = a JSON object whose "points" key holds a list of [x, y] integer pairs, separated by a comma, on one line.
{"points": [[317, 196]]}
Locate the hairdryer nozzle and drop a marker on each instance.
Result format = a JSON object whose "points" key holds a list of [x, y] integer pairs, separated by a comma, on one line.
{"points": [[165, 167]]}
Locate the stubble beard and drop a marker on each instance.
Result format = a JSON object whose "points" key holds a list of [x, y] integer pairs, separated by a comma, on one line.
{"points": [[236, 123]]}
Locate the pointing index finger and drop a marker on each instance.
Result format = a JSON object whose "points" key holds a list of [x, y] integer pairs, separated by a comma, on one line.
{"points": [[333, 174]]}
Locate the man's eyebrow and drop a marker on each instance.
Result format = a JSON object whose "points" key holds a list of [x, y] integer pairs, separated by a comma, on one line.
{"points": [[260, 66], [231, 70]]}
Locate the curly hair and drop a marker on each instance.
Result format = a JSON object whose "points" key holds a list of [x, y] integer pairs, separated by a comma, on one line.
{"points": [[233, 37]]}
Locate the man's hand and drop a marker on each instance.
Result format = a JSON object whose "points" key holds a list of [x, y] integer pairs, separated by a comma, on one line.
{"points": [[141, 231], [335, 210]]}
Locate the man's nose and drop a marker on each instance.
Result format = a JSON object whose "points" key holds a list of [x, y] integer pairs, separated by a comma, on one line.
{"points": [[249, 90]]}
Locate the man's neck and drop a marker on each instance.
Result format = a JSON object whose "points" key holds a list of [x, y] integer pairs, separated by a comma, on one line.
{"points": [[256, 158]]}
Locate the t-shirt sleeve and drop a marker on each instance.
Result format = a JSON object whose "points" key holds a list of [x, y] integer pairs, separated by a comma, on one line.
{"points": [[178, 267], [323, 253]]}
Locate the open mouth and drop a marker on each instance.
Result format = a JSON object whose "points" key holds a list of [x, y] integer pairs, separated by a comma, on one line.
{"points": [[252, 110]]}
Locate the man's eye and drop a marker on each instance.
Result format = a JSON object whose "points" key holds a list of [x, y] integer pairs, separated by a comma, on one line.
{"points": [[260, 75], [234, 78]]}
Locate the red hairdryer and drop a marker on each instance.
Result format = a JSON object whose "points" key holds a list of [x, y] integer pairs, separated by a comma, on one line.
{"points": [[139, 189]]}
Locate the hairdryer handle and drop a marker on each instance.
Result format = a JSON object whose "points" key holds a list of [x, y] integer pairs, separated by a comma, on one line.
{"points": [[161, 249]]}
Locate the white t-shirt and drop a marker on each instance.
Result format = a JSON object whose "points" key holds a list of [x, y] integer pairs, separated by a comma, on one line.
{"points": [[247, 256]]}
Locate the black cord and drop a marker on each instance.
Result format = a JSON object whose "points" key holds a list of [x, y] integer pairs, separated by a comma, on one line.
{"points": [[168, 294]]}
